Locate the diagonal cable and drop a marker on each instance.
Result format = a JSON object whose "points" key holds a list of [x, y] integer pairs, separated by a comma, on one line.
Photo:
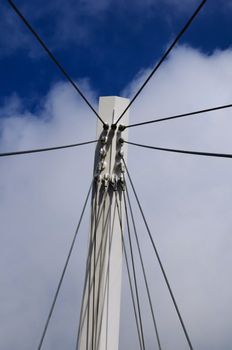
{"points": [[206, 154], [143, 268], [107, 232], [164, 57], [128, 273], [16, 153], [162, 119], [53, 58], [94, 278], [160, 262], [100, 266], [134, 271], [93, 237], [93, 227], [107, 279], [64, 271]]}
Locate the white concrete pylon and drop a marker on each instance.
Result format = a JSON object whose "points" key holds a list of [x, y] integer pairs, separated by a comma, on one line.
{"points": [[100, 315]]}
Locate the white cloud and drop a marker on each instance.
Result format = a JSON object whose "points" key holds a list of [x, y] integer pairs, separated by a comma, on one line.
{"points": [[68, 23], [40, 211], [187, 201], [190, 196]]}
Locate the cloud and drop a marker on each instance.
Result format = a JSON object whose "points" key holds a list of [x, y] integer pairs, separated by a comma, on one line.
{"points": [[187, 201], [71, 23], [36, 240]]}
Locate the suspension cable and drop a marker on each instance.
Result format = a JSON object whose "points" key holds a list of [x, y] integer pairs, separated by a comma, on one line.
{"points": [[107, 232], [101, 253], [128, 273], [206, 154], [134, 272], [53, 58], [162, 119], [164, 57], [7, 154], [94, 277], [88, 274], [143, 269], [159, 261], [64, 271], [106, 287]]}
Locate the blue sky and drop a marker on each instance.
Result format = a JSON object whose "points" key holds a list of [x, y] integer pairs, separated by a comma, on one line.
{"points": [[108, 42]]}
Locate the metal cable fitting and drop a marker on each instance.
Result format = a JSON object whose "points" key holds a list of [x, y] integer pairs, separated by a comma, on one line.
{"points": [[104, 140], [106, 126], [103, 152], [121, 182], [105, 180], [121, 127], [114, 182], [113, 126]]}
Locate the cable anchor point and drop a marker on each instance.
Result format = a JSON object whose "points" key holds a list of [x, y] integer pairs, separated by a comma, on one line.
{"points": [[106, 126], [121, 182], [121, 127], [114, 182]]}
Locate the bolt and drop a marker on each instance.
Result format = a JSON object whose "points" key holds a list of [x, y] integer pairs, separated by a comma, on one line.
{"points": [[103, 152], [113, 126], [122, 182], [113, 182], [101, 165], [98, 177], [106, 126], [105, 180], [121, 166], [121, 127], [104, 140]]}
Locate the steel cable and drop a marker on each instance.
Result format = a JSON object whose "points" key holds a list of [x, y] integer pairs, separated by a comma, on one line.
{"points": [[160, 262], [64, 271], [129, 275], [106, 287], [164, 57], [134, 272], [88, 273], [7, 154], [51, 55], [206, 154], [143, 269], [158, 120]]}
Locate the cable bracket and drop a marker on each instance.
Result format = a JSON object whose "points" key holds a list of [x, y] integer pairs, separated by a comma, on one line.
{"points": [[110, 168]]}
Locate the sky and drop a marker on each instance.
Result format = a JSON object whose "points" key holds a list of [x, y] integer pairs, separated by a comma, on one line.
{"points": [[109, 48]]}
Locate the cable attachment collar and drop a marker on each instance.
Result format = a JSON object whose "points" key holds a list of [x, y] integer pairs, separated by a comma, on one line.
{"points": [[114, 182], [110, 167], [121, 182]]}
